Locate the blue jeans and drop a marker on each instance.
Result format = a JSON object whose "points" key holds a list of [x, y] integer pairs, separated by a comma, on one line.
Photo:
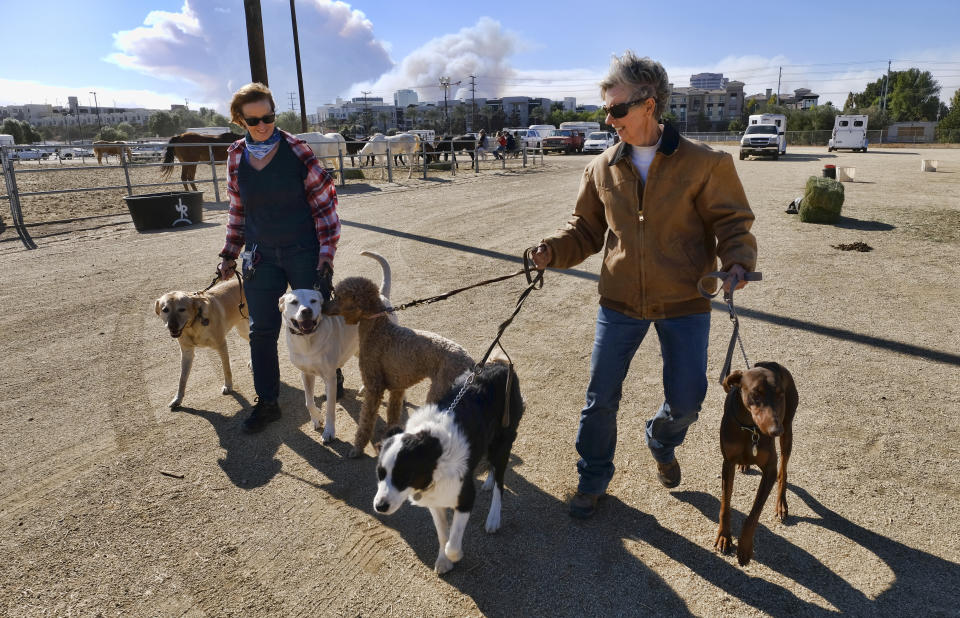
{"points": [[276, 267], [683, 347]]}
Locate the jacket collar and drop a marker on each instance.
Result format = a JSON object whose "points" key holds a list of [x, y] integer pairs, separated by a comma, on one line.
{"points": [[668, 144]]}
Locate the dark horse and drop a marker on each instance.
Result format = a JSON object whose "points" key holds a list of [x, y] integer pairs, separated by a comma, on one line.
{"points": [[179, 147], [449, 144]]}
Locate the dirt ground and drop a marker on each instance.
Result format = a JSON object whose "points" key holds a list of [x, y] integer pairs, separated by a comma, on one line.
{"points": [[111, 504]]}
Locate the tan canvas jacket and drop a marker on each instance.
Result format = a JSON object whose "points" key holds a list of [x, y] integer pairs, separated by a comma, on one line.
{"points": [[661, 237]]}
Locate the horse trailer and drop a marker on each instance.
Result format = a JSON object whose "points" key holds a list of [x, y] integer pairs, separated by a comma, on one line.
{"points": [[849, 131]]}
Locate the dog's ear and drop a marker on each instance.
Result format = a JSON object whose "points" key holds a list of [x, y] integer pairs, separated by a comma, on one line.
{"points": [[156, 306], [283, 303], [196, 304], [732, 380]]}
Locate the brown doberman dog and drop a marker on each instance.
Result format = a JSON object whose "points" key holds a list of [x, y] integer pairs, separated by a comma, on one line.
{"points": [[759, 407]]}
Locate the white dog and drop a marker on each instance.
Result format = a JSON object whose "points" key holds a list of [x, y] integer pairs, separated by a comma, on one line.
{"points": [[319, 344]]}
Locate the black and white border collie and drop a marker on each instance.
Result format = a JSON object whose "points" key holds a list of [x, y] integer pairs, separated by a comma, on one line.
{"points": [[433, 460]]}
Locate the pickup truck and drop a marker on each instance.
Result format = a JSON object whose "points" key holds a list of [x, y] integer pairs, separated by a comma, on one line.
{"points": [[566, 140], [762, 140]]}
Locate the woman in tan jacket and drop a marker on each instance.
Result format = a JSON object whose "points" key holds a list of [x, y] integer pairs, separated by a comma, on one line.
{"points": [[663, 209]]}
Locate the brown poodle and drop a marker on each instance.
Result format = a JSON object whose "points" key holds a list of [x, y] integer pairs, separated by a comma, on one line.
{"points": [[392, 357]]}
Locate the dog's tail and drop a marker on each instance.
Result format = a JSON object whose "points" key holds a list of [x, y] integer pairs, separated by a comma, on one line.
{"points": [[385, 266]]}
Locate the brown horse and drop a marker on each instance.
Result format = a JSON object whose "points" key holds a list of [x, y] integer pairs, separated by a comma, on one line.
{"points": [[103, 150], [179, 147]]}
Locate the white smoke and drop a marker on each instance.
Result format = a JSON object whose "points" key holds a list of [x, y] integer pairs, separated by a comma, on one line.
{"points": [[481, 50], [205, 45]]}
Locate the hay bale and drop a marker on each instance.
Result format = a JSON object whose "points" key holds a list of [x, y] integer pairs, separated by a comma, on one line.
{"points": [[822, 200], [349, 174]]}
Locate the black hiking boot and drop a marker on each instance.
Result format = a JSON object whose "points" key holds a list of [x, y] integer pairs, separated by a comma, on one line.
{"points": [[264, 413]]}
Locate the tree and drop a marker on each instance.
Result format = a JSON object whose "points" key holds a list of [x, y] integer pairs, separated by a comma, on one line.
{"points": [[289, 121], [536, 115], [949, 128], [870, 97], [914, 96], [110, 134], [128, 129], [736, 125], [163, 124], [12, 126]]}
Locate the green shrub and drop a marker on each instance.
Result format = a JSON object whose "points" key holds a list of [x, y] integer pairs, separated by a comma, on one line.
{"points": [[822, 200]]}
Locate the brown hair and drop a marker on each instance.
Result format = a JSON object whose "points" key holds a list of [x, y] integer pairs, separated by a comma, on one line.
{"points": [[248, 94]]}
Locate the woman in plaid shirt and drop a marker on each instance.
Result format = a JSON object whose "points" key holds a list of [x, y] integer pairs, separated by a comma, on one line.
{"points": [[283, 216]]}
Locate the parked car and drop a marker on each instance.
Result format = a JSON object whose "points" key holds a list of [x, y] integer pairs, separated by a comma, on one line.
{"points": [[30, 154], [598, 141], [148, 152]]}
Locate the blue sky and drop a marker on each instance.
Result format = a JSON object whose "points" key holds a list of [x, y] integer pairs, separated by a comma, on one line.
{"points": [[154, 53]]}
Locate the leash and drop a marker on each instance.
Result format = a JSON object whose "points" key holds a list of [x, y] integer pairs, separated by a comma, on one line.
{"points": [[728, 298], [216, 278], [534, 283]]}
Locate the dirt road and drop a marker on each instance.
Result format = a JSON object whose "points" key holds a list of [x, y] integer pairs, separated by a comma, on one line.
{"points": [[111, 504]]}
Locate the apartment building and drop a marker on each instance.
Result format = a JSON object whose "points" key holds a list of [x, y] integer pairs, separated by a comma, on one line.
{"points": [[717, 105]]}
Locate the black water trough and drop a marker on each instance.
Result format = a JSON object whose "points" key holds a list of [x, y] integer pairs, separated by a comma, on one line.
{"points": [[157, 211]]}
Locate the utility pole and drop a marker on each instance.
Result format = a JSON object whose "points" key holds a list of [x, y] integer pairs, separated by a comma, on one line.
{"points": [[293, 106], [778, 85], [445, 83], [258, 57], [366, 110], [296, 53], [473, 101], [886, 85], [99, 124]]}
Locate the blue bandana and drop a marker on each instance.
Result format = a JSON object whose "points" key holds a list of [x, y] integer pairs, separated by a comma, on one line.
{"points": [[262, 149]]}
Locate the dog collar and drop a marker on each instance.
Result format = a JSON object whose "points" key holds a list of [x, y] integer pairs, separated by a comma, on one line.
{"points": [[754, 435]]}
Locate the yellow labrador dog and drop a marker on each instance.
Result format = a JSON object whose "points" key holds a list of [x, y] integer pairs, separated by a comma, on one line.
{"points": [[203, 320]]}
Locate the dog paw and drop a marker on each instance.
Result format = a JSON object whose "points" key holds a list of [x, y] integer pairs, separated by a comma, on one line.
{"points": [[442, 565], [226, 389], [744, 552], [175, 402], [453, 553], [328, 435], [781, 512], [723, 543]]}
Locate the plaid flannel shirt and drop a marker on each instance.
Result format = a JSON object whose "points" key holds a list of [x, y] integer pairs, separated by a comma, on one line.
{"points": [[319, 188]]}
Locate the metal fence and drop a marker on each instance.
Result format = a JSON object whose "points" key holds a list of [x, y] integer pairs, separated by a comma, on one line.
{"points": [[811, 138], [13, 159]]}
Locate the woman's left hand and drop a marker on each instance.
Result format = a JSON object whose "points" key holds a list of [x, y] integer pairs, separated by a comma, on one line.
{"points": [[735, 271]]}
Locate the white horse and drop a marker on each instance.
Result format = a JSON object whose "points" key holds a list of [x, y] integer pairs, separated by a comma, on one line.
{"points": [[401, 144], [325, 146]]}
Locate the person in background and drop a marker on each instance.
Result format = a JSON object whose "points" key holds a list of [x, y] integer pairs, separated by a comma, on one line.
{"points": [[283, 217], [483, 145], [663, 209], [501, 151]]}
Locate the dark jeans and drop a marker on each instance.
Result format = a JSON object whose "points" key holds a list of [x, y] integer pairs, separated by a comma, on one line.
{"points": [[275, 269], [683, 347]]}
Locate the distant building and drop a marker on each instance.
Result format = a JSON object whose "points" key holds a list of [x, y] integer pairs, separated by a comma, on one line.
{"points": [[717, 105], [802, 98], [403, 98], [709, 81], [569, 104], [45, 115], [917, 132]]}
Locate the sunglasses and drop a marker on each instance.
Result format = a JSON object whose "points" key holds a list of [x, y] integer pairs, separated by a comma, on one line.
{"points": [[622, 109], [268, 119]]}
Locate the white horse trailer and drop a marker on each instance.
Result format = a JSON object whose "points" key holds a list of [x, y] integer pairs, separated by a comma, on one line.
{"points": [[849, 131], [778, 119]]}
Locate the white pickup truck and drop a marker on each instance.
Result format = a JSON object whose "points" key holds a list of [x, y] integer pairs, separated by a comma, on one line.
{"points": [[762, 140]]}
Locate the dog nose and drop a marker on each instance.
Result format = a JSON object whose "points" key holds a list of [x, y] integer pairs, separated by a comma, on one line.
{"points": [[382, 506]]}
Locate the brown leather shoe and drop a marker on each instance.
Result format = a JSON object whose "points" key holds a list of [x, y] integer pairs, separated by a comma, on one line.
{"points": [[669, 473], [583, 505]]}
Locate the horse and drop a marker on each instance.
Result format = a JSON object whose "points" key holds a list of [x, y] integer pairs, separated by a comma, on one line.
{"points": [[325, 146], [104, 149], [353, 149], [403, 143], [451, 145], [179, 147]]}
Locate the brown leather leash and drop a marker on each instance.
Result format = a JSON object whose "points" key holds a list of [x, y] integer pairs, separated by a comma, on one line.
{"points": [[728, 298]]}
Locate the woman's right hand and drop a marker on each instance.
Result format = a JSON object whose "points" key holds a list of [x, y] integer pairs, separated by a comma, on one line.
{"points": [[227, 268], [542, 256]]}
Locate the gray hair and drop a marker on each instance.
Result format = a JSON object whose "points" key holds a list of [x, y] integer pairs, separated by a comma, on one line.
{"points": [[646, 78]]}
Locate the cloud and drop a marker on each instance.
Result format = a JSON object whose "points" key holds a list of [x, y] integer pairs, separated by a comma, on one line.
{"points": [[203, 48], [17, 92], [482, 50]]}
